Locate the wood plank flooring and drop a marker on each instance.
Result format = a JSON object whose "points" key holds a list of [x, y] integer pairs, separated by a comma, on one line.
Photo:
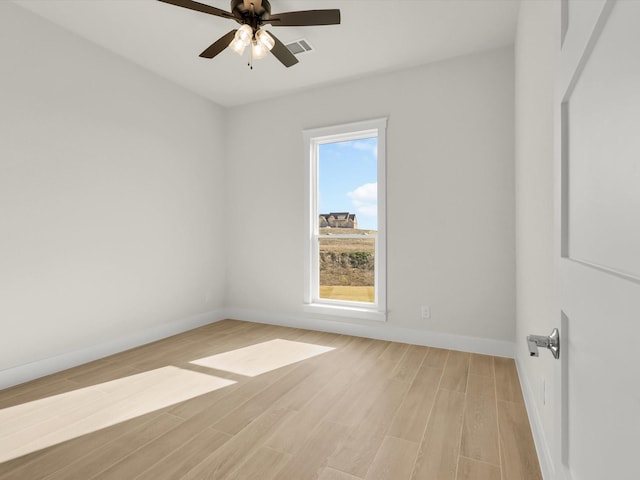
{"points": [[358, 409]]}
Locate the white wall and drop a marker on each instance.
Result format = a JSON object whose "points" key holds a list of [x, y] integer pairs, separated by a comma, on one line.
{"points": [[535, 305], [450, 196], [111, 187]]}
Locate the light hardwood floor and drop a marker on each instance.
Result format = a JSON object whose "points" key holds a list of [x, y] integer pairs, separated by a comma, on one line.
{"points": [[358, 409]]}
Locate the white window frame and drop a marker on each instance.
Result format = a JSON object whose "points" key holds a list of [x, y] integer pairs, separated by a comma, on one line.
{"points": [[313, 138]]}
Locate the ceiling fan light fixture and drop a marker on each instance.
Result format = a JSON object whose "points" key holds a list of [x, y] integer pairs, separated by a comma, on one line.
{"points": [[258, 50], [237, 46], [241, 39], [263, 38], [244, 34]]}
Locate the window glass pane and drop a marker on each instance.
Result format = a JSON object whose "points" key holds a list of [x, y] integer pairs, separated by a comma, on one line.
{"points": [[347, 205], [348, 184], [347, 268]]}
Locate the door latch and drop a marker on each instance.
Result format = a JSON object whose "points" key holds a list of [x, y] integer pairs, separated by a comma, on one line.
{"points": [[552, 342]]}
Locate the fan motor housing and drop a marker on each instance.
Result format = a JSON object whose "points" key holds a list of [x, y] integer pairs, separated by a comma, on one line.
{"points": [[238, 9]]}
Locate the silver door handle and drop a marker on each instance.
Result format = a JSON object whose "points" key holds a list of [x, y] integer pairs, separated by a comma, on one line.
{"points": [[552, 342]]}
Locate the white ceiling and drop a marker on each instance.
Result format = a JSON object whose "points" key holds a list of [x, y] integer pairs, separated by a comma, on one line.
{"points": [[374, 36]]}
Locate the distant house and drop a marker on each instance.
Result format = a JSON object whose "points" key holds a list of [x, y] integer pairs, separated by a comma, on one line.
{"points": [[338, 220]]}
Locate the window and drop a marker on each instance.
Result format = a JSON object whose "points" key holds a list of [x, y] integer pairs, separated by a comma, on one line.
{"points": [[345, 254]]}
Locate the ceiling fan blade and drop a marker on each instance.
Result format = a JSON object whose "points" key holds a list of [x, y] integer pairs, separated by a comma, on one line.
{"points": [[199, 7], [282, 53], [305, 18], [219, 45]]}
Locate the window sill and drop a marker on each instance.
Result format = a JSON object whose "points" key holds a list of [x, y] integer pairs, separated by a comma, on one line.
{"points": [[342, 311]]}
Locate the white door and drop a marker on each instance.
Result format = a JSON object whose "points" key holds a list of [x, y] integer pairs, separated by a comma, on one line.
{"points": [[599, 238]]}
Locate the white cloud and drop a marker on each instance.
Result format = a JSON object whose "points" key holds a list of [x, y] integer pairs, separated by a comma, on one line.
{"points": [[365, 199], [364, 145]]}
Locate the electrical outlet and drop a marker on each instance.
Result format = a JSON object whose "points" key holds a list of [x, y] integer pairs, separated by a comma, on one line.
{"points": [[425, 312]]}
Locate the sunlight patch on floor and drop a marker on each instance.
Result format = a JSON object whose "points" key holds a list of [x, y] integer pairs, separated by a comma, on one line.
{"points": [[262, 357], [35, 425]]}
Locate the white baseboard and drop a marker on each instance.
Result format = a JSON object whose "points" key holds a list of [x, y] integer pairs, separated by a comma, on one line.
{"points": [[539, 438], [379, 331], [30, 371]]}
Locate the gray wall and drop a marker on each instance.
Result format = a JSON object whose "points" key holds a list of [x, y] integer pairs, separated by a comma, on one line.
{"points": [[535, 276], [450, 194], [111, 187]]}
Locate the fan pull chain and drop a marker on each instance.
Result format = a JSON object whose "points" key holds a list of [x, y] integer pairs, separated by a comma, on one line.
{"points": [[253, 14]]}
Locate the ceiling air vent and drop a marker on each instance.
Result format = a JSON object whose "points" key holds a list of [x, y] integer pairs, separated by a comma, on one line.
{"points": [[299, 46]]}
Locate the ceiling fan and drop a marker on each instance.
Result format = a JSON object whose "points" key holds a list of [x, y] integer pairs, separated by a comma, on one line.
{"points": [[252, 15]]}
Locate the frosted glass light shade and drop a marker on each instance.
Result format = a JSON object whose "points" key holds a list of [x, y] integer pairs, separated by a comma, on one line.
{"points": [[237, 46], [263, 38], [245, 34], [258, 50], [241, 39]]}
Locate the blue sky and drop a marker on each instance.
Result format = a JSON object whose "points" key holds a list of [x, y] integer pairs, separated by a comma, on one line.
{"points": [[347, 180]]}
